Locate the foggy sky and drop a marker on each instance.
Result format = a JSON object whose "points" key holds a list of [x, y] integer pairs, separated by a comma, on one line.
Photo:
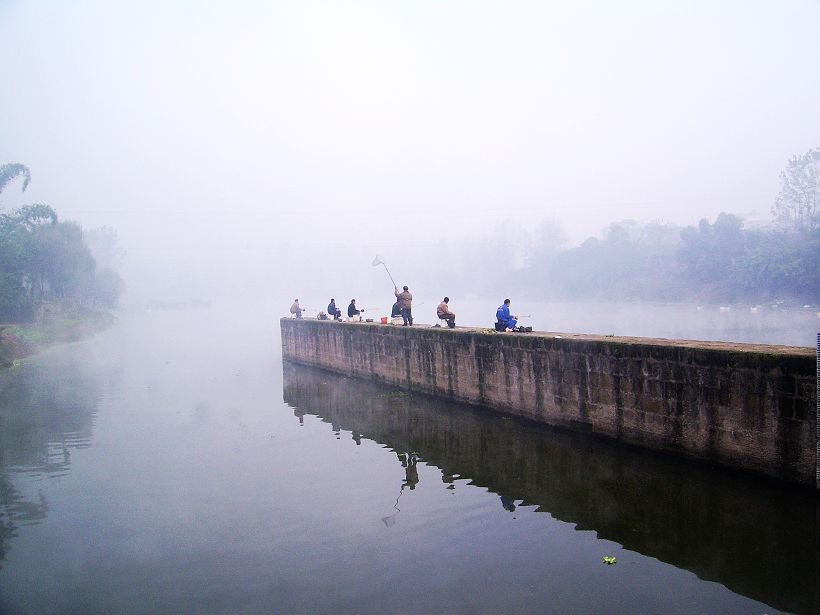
{"points": [[218, 134]]}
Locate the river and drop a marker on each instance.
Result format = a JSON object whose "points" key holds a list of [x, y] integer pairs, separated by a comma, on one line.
{"points": [[757, 324], [174, 464]]}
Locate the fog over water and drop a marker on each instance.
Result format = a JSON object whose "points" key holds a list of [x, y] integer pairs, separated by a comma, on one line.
{"points": [[174, 464], [240, 148]]}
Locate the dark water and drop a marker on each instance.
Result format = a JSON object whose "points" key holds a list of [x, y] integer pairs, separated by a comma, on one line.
{"points": [[156, 468]]}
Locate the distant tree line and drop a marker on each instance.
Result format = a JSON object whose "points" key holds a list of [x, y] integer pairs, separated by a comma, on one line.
{"points": [[714, 261], [728, 259], [46, 261], [711, 262]]}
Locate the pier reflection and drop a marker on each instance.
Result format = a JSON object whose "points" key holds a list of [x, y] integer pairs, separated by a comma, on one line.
{"points": [[47, 409], [756, 538]]}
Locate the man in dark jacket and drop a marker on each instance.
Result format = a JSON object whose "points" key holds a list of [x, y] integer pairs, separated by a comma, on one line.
{"points": [[351, 309], [405, 301], [333, 311]]}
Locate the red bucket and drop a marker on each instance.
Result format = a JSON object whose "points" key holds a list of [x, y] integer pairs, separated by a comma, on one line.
{"points": [[384, 320]]}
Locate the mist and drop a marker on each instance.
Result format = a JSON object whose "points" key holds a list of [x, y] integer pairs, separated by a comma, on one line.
{"points": [[174, 174], [236, 149]]}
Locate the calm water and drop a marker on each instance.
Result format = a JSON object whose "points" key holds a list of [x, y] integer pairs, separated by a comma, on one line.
{"points": [[174, 464], [764, 324]]}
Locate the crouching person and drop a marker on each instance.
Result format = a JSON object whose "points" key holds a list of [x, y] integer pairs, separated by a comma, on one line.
{"points": [[444, 313], [353, 313], [296, 309], [395, 314], [333, 311], [504, 320]]}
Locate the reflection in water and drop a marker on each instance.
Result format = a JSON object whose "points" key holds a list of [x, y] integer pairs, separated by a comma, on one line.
{"points": [[47, 409], [756, 538], [409, 462], [411, 473], [15, 510]]}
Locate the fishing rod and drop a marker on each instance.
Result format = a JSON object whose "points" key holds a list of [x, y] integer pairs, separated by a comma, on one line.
{"points": [[380, 261]]}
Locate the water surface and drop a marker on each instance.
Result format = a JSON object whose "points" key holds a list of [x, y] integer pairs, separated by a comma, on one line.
{"points": [[173, 463], [753, 324]]}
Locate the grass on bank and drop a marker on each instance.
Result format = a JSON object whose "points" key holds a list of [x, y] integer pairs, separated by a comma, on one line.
{"points": [[51, 332], [18, 341]]}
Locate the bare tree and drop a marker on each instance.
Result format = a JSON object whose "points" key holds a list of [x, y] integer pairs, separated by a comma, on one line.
{"points": [[797, 206]]}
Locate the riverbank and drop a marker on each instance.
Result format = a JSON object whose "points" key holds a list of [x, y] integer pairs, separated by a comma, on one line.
{"points": [[18, 341]]}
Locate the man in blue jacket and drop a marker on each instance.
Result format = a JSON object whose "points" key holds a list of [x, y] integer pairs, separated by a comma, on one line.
{"points": [[332, 310], [352, 311], [505, 319]]}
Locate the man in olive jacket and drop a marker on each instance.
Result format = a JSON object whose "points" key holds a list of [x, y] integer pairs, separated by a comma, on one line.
{"points": [[405, 301]]}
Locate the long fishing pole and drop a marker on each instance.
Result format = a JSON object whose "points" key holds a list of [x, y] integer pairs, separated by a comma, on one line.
{"points": [[388, 273], [378, 261]]}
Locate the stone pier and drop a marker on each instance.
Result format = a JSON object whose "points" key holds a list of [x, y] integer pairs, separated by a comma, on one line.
{"points": [[751, 407]]}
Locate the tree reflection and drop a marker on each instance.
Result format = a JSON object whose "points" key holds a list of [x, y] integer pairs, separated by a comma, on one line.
{"points": [[47, 409]]}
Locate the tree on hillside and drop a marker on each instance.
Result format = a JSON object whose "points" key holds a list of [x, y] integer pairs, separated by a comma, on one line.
{"points": [[797, 206], [12, 170]]}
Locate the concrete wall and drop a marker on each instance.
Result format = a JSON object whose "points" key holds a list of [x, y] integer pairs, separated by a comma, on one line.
{"points": [[746, 406]]}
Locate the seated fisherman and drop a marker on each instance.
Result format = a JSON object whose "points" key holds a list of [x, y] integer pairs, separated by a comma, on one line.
{"points": [[395, 314], [352, 312], [322, 316], [295, 309], [444, 313], [504, 318], [333, 311]]}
